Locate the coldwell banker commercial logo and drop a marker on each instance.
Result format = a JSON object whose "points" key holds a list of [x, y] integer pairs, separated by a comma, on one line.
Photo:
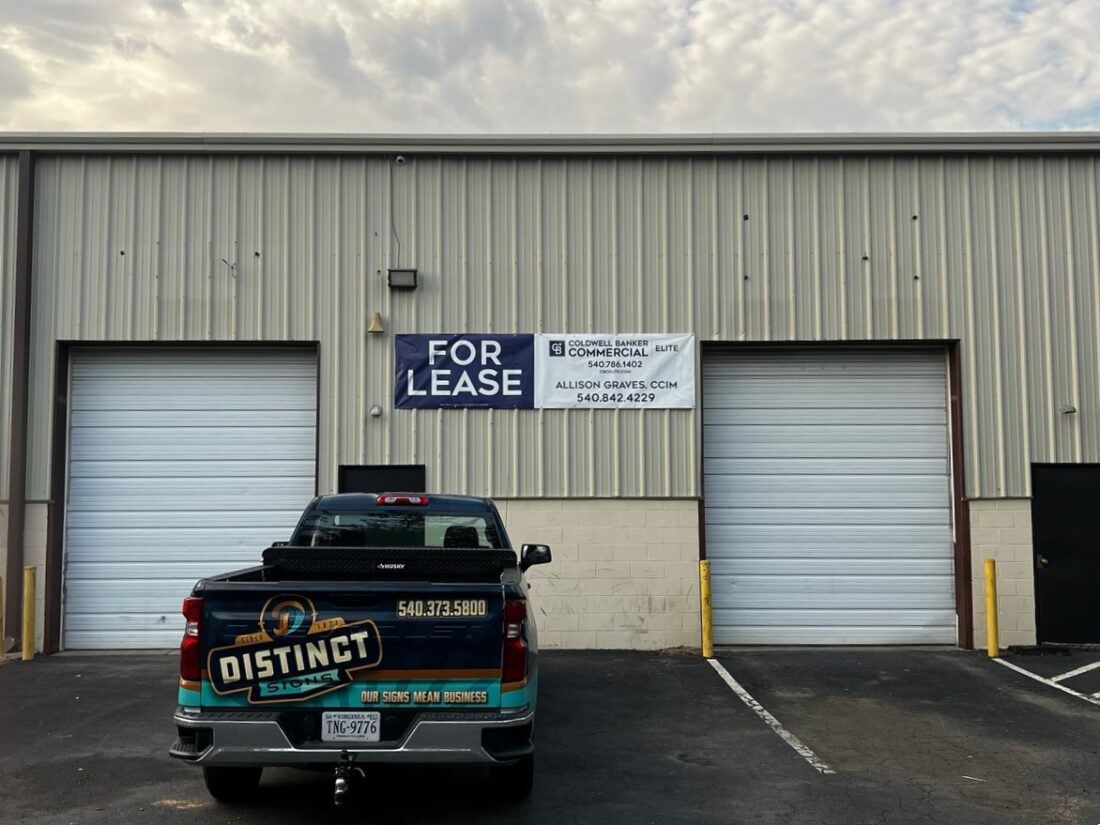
{"points": [[557, 349], [295, 654]]}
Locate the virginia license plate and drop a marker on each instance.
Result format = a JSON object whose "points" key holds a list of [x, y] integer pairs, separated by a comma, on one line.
{"points": [[350, 726]]}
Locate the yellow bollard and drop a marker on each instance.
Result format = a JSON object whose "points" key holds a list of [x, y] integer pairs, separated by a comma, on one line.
{"points": [[704, 607], [992, 636], [30, 590]]}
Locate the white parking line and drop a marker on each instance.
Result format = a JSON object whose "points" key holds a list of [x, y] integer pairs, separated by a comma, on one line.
{"points": [[771, 721], [1077, 672], [1093, 699]]}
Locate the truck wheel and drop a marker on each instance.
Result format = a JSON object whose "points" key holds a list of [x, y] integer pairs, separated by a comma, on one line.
{"points": [[513, 782], [232, 784]]}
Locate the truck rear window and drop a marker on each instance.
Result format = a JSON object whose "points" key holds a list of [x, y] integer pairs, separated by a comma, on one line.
{"points": [[323, 528]]}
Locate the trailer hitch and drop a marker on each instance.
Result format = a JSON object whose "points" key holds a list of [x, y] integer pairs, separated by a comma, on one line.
{"points": [[344, 772]]}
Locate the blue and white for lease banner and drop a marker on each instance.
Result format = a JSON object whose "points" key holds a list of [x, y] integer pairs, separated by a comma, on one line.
{"points": [[525, 371]]}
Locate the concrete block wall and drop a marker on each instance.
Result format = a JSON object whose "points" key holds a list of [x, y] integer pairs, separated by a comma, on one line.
{"points": [[1001, 529], [625, 572]]}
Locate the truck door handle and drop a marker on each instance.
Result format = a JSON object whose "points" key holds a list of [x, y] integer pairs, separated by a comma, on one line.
{"points": [[1042, 561]]}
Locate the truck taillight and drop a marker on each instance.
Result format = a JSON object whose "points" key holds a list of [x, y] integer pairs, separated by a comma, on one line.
{"points": [[514, 664], [191, 647], [401, 499]]}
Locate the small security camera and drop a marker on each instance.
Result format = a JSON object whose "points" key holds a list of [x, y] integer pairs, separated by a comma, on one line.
{"points": [[400, 160]]}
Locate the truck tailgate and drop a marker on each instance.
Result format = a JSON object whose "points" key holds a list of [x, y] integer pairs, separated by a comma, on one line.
{"points": [[351, 645]]}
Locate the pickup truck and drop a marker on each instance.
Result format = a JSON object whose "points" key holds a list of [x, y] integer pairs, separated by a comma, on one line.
{"points": [[390, 628]]}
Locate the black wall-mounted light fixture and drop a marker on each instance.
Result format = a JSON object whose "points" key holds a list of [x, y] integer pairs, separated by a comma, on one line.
{"points": [[402, 279]]}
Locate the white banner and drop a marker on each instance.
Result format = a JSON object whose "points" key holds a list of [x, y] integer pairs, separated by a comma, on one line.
{"points": [[615, 371]]}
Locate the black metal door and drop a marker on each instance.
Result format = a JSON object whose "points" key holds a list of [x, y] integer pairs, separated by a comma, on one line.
{"points": [[382, 478], [1067, 551]]}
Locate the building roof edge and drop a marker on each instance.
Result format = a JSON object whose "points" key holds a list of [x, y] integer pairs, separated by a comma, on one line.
{"points": [[591, 144]]}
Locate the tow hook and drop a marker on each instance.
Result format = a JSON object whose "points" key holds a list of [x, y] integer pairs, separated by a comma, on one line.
{"points": [[344, 772]]}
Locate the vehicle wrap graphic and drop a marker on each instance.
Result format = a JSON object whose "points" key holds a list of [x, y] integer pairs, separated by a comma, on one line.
{"points": [[295, 654]]}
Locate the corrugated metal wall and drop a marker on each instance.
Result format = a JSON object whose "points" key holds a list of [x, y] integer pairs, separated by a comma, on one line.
{"points": [[1001, 252], [9, 190]]}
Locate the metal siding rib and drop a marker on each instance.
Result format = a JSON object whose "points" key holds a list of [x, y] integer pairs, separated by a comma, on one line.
{"points": [[1003, 255]]}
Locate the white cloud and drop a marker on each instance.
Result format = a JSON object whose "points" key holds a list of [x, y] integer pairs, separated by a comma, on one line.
{"points": [[548, 65]]}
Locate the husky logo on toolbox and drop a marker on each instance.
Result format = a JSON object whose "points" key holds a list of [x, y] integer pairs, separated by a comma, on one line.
{"points": [[295, 655]]}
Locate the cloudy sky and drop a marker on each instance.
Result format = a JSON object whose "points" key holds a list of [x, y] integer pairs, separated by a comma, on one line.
{"points": [[549, 65]]}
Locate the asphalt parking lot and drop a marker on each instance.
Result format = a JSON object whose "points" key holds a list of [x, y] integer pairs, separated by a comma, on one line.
{"points": [[912, 735]]}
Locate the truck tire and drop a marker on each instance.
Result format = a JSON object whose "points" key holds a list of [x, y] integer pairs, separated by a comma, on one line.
{"points": [[513, 782], [232, 784]]}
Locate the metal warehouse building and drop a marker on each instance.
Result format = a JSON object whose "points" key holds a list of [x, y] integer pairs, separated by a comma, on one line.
{"points": [[889, 369]]}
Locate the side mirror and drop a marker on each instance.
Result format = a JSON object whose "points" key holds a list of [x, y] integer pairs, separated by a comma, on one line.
{"points": [[532, 554]]}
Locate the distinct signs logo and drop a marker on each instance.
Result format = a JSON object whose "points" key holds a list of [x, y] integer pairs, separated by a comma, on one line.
{"points": [[295, 655], [453, 370]]}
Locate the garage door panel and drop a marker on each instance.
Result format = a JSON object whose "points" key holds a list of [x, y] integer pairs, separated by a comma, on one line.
{"points": [[154, 636], [918, 492], [168, 567], [792, 363], [111, 595], [827, 497], [825, 466], [243, 400], [842, 600], [179, 361], [87, 561], [832, 635], [766, 539], [158, 621], [837, 590], [830, 565], [736, 416], [183, 464], [826, 392], [232, 394], [112, 495], [190, 468], [169, 540], [201, 443], [824, 516], [824, 618], [252, 518], [912, 552], [303, 418], [834, 441]]}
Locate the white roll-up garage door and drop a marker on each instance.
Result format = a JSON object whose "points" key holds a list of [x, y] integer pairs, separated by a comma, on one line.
{"points": [[827, 484], [182, 464]]}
